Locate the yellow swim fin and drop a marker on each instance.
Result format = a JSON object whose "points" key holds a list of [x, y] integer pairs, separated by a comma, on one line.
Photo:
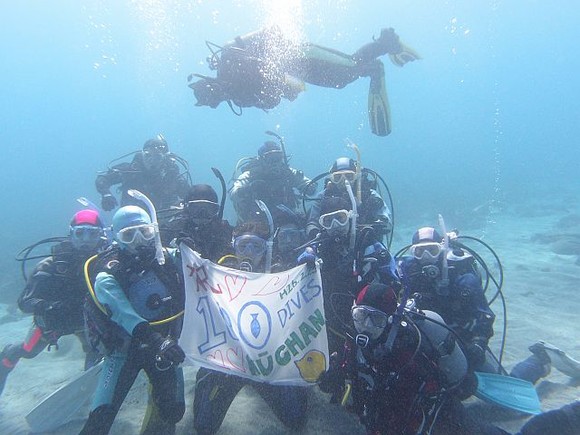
{"points": [[379, 111], [407, 54]]}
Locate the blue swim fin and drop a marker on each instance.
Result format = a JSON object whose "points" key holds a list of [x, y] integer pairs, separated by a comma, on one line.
{"points": [[509, 392]]}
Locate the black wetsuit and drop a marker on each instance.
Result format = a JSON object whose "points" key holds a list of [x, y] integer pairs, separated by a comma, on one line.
{"points": [[164, 187], [54, 294]]}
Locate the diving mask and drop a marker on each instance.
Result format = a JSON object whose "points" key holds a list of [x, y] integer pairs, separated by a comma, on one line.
{"points": [[85, 236], [249, 246], [338, 177], [336, 219], [154, 156], [137, 234], [202, 210], [426, 252], [273, 157], [369, 321]]}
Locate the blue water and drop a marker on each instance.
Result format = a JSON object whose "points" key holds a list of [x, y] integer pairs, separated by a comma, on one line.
{"points": [[489, 113]]}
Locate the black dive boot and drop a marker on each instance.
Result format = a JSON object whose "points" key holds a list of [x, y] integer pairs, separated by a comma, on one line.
{"points": [[6, 367]]}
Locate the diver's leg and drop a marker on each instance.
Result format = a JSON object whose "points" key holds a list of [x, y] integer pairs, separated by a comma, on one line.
{"points": [[288, 403], [92, 356], [34, 343], [532, 369], [214, 393], [563, 421], [118, 375], [166, 404]]}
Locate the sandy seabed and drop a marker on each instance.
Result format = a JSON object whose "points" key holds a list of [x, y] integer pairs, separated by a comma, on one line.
{"points": [[539, 246]]}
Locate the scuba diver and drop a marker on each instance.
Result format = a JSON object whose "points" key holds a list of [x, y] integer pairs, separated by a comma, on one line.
{"points": [[445, 278], [55, 292], [268, 178], [447, 281], [134, 316], [260, 68], [352, 257], [200, 223], [215, 391], [371, 208], [289, 239], [161, 175], [400, 371]]}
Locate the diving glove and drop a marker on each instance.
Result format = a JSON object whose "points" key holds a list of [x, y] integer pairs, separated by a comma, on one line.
{"points": [[164, 347], [108, 202]]}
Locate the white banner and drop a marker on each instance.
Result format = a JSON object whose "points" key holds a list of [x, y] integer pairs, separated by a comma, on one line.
{"points": [[266, 327]]}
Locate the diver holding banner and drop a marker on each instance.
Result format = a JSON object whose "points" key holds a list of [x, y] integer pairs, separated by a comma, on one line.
{"points": [[247, 328]]}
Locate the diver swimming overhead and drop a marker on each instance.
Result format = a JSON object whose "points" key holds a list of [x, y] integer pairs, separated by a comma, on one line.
{"points": [[260, 68]]}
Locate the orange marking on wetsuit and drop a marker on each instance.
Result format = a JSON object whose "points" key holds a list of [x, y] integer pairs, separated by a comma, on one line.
{"points": [[33, 340]]}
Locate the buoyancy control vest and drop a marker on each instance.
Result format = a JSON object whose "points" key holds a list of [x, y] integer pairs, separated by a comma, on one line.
{"points": [[155, 292]]}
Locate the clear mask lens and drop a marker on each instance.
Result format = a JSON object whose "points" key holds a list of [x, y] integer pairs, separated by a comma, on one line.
{"points": [[85, 232], [362, 314], [85, 236], [249, 246], [339, 176], [129, 235], [426, 251], [339, 218]]}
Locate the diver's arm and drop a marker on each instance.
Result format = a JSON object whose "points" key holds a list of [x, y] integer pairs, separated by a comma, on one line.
{"points": [[312, 226], [33, 298], [110, 294], [300, 181], [240, 190], [113, 176], [379, 212], [475, 303]]}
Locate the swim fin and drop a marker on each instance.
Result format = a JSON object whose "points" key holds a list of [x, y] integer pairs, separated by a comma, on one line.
{"points": [[62, 405], [407, 54], [562, 361], [509, 392], [378, 104]]}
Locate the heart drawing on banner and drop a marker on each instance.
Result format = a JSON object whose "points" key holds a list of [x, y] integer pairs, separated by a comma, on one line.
{"points": [[235, 284], [217, 358], [235, 356]]}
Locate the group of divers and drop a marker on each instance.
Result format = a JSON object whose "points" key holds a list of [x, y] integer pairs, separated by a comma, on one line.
{"points": [[407, 332]]}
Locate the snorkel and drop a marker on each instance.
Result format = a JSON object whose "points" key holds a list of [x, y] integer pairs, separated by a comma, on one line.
{"points": [[282, 144], [88, 204], [398, 316], [356, 149], [444, 268], [219, 175], [354, 215], [151, 208], [270, 241]]}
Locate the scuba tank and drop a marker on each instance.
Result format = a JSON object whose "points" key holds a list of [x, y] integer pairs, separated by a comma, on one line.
{"points": [[451, 361]]}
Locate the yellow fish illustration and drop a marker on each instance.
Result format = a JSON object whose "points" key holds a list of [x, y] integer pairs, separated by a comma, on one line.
{"points": [[311, 365]]}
